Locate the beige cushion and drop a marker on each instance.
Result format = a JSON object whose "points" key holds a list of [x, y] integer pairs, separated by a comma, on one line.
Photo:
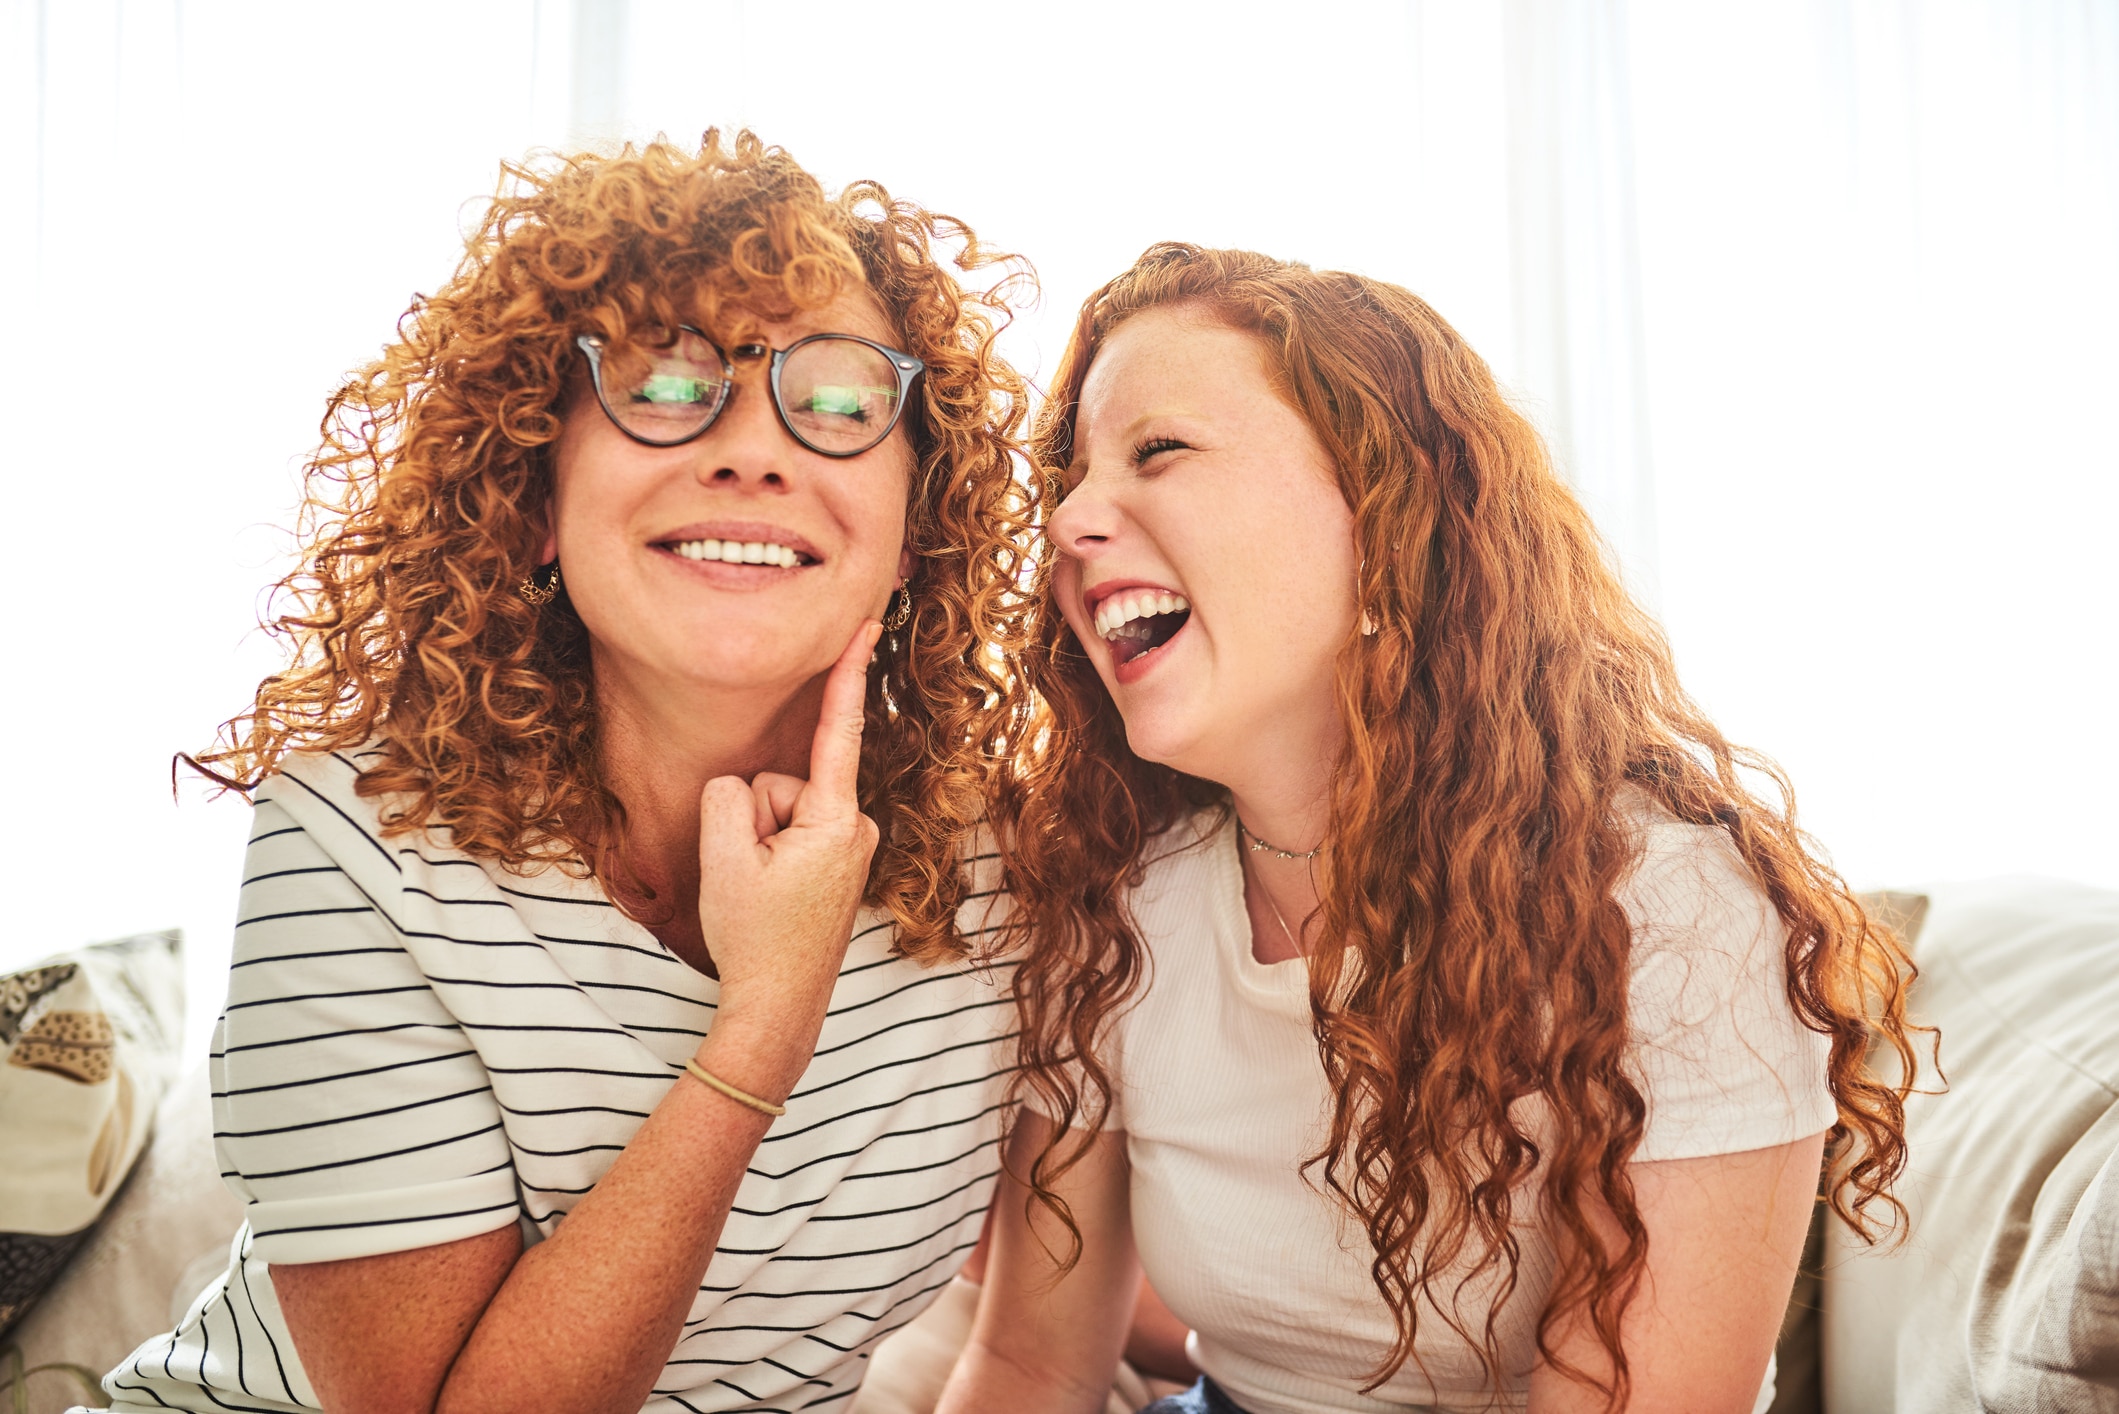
{"points": [[162, 1239], [89, 1042], [2006, 1297]]}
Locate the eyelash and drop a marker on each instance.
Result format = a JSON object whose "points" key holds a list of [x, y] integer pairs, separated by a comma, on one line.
{"points": [[1153, 445]]}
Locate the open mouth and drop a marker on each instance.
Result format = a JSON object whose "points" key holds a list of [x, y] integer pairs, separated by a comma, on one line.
{"points": [[767, 553], [1137, 622]]}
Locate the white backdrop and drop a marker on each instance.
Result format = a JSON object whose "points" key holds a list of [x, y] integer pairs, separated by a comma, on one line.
{"points": [[1815, 301]]}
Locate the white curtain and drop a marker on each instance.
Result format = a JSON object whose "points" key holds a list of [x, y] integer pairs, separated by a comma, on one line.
{"points": [[1814, 302], [1880, 258], [212, 211], [1580, 356]]}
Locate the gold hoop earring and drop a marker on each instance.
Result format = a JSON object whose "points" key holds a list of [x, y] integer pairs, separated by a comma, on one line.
{"points": [[538, 594], [900, 611]]}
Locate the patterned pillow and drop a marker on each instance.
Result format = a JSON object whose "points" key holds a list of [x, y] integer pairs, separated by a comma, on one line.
{"points": [[89, 1041]]}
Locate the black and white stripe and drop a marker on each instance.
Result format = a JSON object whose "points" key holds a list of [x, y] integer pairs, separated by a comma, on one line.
{"points": [[418, 1048]]}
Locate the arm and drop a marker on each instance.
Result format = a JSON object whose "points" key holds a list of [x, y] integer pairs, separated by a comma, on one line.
{"points": [[1046, 1344], [1724, 1236], [471, 1325], [1156, 1345]]}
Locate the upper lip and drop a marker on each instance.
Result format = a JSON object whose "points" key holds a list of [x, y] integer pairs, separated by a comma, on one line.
{"points": [[741, 531], [1093, 597]]}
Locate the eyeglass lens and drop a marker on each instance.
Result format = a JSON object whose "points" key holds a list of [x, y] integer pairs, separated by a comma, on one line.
{"points": [[838, 395], [665, 394]]}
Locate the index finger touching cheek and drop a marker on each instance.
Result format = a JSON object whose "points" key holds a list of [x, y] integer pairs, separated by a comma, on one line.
{"points": [[835, 753]]}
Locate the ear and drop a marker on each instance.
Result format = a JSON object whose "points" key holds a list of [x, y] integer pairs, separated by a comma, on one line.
{"points": [[906, 562], [548, 548]]}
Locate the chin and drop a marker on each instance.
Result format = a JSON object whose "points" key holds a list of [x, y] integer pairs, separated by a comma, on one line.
{"points": [[1165, 737], [741, 656]]}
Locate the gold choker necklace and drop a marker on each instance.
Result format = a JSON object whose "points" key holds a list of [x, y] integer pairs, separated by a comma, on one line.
{"points": [[1257, 844]]}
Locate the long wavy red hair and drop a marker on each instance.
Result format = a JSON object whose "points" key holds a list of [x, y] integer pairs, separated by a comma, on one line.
{"points": [[1513, 692], [425, 509]]}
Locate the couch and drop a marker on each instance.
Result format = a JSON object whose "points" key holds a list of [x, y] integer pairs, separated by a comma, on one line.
{"points": [[2004, 1298]]}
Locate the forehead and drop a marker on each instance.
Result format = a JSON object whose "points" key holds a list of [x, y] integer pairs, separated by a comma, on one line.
{"points": [[1177, 362], [855, 310]]}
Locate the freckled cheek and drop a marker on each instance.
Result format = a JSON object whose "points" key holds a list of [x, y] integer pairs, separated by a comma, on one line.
{"points": [[876, 526], [593, 497]]}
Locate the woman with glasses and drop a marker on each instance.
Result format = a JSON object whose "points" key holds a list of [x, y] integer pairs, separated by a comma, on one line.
{"points": [[1422, 985], [610, 1026]]}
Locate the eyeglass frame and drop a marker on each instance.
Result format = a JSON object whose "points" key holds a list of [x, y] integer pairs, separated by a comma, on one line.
{"points": [[905, 365]]}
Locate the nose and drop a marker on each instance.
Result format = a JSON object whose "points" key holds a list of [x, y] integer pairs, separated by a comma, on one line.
{"points": [[746, 448], [1086, 521]]}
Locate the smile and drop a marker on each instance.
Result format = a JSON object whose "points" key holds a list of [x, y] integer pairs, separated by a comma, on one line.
{"points": [[1135, 623], [739, 552]]}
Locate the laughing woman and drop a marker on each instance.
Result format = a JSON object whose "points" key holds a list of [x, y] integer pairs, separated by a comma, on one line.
{"points": [[1418, 981], [605, 1030]]}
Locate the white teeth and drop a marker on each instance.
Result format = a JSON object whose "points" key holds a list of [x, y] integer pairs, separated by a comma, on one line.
{"points": [[739, 552], [1119, 610]]}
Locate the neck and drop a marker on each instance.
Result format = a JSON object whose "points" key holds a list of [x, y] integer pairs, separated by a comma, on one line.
{"points": [[1282, 794], [659, 743], [1282, 788]]}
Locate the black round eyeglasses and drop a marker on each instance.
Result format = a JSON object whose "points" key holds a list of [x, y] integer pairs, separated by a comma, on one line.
{"points": [[837, 394]]}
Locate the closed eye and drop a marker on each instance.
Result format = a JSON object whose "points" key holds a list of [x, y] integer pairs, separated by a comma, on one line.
{"points": [[1155, 445]]}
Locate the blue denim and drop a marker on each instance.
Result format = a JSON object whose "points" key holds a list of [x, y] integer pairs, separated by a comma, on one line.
{"points": [[1206, 1397]]}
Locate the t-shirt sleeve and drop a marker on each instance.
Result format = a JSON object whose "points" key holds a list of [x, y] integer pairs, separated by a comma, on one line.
{"points": [[986, 911], [351, 1114], [1723, 1061], [1111, 1119]]}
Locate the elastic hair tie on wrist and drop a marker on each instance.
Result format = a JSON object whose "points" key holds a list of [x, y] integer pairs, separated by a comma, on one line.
{"points": [[712, 1081]]}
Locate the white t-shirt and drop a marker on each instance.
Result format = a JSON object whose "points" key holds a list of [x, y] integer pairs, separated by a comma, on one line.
{"points": [[419, 1048], [1222, 1097]]}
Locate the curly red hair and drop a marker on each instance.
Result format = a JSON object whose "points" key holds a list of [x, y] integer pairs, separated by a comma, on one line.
{"points": [[1476, 844], [425, 510]]}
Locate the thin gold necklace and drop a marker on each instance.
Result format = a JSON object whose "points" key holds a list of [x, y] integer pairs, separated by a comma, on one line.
{"points": [[1278, 917], [1258, 845]]}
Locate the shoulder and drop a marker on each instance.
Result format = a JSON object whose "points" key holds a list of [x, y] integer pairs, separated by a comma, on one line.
{"points": [[316, 792], [325, 786], [1704, 930], [1175, 881], [319, 794], [1725, 1062], [1689, 888], [1180, 895], [1184, 855]]}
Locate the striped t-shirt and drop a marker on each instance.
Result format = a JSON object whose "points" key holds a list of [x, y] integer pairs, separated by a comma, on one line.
{"points": [[419, 1048]]}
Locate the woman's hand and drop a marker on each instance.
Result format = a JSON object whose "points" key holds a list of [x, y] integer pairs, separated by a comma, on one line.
{"points": [[782, 863]]}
